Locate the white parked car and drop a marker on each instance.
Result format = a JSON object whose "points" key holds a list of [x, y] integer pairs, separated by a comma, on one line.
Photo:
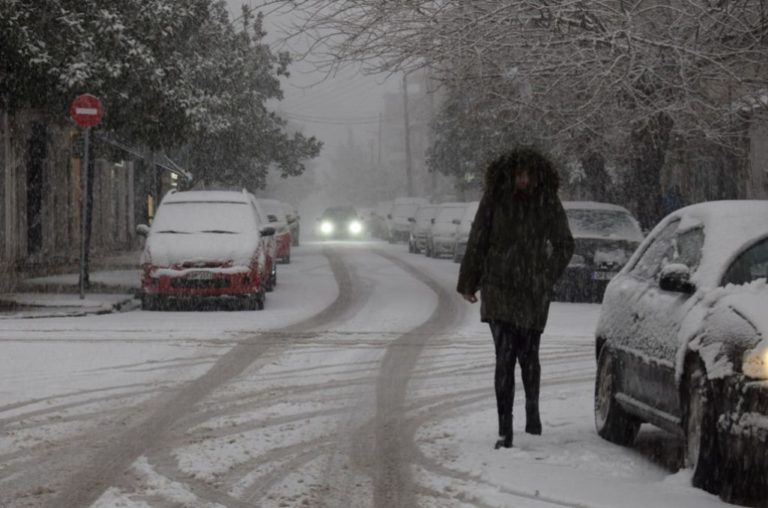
{"points": [[682, 343], [420, 227], [401, 217], [442, 234], [463, 229]]}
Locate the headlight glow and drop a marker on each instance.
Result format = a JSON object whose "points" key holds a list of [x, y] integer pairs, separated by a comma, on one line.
{"points": [[755, 363], [327, 227], [355, 227]]}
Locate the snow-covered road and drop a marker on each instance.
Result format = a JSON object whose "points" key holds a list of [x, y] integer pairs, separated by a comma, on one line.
{"points": [[366, 381]]}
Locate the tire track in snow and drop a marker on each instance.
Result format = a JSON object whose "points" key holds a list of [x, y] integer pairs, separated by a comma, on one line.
{"points": [[390, 454], [117, 455]]}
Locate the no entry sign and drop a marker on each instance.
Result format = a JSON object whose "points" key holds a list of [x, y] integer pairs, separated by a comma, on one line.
{"points": [[86, 110]]}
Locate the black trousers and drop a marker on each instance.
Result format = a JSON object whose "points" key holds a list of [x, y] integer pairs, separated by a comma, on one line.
{"points": [[515, 345]]}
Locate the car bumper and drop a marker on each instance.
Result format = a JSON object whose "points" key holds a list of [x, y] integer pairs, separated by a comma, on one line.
{"points": [[214, 285], [742, 431], [443, 246], [584, 283], [283, 246]]}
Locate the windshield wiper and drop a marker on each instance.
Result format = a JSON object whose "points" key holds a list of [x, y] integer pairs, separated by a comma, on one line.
{"points": [[221, 231], [173, 231]]}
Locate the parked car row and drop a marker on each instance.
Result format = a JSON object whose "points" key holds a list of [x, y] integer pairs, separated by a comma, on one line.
{"points": [[682, 340], [220, 246]]}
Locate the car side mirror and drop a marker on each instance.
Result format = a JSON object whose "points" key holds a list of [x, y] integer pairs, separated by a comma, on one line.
{"points": [[267, 231], [142, 230], [676, 277], [457, 222]]}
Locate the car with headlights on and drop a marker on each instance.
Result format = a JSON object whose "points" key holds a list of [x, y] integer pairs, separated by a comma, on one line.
{"points": [[420, 227], [463, 229], [682, 343], [205, 245], [442, 234], [341, 222], [277, 219], [605, 236]]}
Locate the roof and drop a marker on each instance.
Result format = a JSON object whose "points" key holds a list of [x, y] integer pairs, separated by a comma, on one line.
{"points": [[729, 228], [203, 196]]}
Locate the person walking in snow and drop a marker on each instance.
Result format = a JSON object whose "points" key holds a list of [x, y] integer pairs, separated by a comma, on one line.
{"points": [[518, 247]]}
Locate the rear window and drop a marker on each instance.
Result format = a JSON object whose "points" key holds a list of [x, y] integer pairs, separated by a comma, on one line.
{"points": [[749, 266]]}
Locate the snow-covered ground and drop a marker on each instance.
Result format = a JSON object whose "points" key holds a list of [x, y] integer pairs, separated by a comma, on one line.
{"points": [[365, 382]]}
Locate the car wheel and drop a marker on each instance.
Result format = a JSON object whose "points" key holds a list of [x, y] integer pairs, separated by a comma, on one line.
{"points": [[700, 426], [611, 421], [148, 303]]}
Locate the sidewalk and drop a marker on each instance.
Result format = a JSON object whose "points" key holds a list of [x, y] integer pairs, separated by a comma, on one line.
{"points": [[113, 286]]}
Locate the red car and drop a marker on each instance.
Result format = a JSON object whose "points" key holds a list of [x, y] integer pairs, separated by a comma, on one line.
{"points": [[275, 212], [206, 245]]}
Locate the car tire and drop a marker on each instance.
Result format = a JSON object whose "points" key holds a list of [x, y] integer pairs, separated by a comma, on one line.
{"points": [[148, 303], [700, 427], [611, 421]]}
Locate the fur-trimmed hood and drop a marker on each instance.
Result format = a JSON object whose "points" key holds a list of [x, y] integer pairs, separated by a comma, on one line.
{"points": [[500, 175]]}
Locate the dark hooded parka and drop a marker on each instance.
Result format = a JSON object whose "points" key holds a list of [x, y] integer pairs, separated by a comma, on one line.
{"points": [[519, 243]]}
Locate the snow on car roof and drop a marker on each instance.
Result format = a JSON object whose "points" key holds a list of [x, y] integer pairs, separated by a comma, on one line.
{"points": [[729, 226], [205, 195], [592, 205]]}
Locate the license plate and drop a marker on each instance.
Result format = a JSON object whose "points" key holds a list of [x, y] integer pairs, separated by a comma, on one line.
{"points": [[200, 275], [603, 275]]}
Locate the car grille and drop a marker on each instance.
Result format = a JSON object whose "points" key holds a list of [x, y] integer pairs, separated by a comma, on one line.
{"points": [[181, 283]]}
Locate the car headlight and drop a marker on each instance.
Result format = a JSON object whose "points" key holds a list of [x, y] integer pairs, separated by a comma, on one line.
{"points": [[327, 227], [755, 364], [355, 227]]}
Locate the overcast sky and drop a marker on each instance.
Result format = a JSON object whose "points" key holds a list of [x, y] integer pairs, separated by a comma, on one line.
{"points": [[324, 106]]}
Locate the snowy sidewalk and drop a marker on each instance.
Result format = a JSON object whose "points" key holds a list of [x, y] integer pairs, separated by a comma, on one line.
{"points": [[58, 296]]}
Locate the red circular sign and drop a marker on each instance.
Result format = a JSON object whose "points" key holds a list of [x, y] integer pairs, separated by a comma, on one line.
{"points": [[86, 110]]}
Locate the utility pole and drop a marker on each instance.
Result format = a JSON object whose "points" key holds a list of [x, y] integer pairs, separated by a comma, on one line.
{"points": [[408, 162], [380, 127]]}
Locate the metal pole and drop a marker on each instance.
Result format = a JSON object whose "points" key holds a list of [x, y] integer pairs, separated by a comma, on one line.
{"points": [[83, 209], [408, 163]]}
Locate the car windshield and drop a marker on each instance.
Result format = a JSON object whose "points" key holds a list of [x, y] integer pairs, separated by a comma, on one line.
{"points": [[204, 216], [603, 223], [425, 214], [340, 214], [449, 214], [405, 210]]}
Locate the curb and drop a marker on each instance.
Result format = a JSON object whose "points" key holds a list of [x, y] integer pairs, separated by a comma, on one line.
{"points": [[39, 312]]}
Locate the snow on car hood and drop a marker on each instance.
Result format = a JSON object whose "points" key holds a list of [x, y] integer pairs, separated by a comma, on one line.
{"points": [[168, 249]]}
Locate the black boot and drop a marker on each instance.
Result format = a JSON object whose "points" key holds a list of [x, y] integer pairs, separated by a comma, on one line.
{"points": [[532, 418], [505, 432]]}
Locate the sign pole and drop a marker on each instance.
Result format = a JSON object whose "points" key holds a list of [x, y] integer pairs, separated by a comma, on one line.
{"points": [[86, 110], [84, 209]]}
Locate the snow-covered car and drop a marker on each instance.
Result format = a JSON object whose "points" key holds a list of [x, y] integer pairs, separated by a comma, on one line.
{"points": [[378, 225], [682, 343], [340, 222], [605, 236], [463, 229], [420, 227], [442, 235], [205, 244], [277, 219], [292, 216], [399, 220]]}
